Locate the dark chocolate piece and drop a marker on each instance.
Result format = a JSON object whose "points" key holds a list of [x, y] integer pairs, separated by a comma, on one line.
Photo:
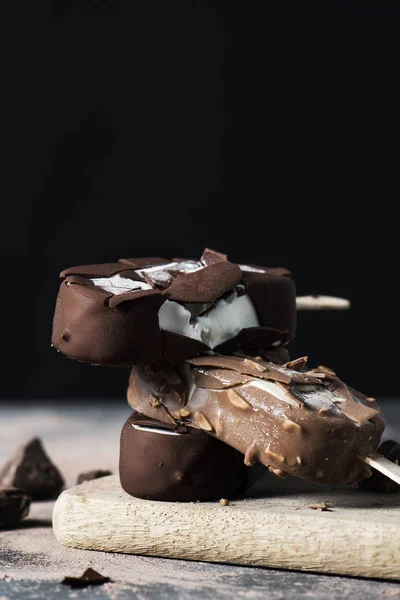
{"points": [[378, 482], [31, 470], [88, 578], [210, 257], [274, 296], [205, 285], [89, 475], [254, 339], [174, 463], [119, 322], [359, 413], [14, 506], [177, 347], [298, 422]]}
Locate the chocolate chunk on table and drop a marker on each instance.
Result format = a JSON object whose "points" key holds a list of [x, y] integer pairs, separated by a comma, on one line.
{"points": [[31, 470], [14, 506], [88, 578]]}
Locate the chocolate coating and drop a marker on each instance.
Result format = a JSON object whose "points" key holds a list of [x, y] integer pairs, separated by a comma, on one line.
{"points": [[306, 423], [185, 467], [110, 323]]}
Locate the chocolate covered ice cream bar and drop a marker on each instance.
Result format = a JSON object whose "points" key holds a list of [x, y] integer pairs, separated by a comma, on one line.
{"points": [[151, 310], [306, 423], [165, 461]]}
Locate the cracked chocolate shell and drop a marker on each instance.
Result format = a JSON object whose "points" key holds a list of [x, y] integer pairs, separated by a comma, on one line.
{"points": [[151, 310]]}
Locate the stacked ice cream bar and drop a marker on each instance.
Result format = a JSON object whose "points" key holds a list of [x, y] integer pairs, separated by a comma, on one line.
{"points": [[212, 386]]}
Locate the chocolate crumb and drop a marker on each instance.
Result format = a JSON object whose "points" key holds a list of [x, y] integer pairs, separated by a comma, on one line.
{"points": [[321, 506], [224, 502], [89, 475], [88, 578]]}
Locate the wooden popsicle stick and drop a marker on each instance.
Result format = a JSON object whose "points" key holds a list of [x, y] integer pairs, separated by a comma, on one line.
{"points": [[382, 464], [317, 302]]}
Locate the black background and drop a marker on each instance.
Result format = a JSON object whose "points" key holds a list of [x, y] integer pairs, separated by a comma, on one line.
{"points": [[158, 128]]}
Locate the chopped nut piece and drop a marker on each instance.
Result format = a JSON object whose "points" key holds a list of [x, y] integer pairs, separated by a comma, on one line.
{"points": [[251, 455], [154, 401], [237, 401], [290, 425], [321, 506], [275, 456], [224, 502], [203, 422], [184, 412]]}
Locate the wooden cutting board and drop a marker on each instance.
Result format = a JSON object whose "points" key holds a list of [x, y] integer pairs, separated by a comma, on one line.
{"points": [[359, 535]]}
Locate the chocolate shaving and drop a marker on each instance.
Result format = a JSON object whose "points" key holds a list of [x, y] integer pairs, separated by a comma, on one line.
{"points": [[256, 367], [205, 285], [235, 363], [359, 413], [210, 378], [100, 270], [210, 257], [88, 578], [298, 364]]}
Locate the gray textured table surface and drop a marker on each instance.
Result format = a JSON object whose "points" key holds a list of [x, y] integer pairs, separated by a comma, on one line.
{"points": [[82, 436]]}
